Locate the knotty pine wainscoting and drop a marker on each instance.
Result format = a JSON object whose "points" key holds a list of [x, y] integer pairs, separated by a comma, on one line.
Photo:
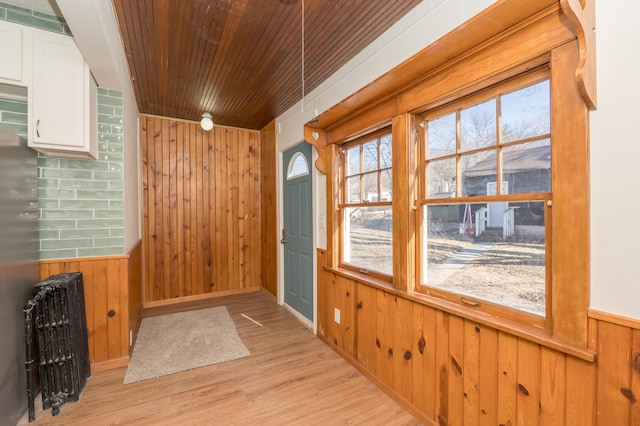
{"points": [[112, 292], [448, 370], [202, 212]]}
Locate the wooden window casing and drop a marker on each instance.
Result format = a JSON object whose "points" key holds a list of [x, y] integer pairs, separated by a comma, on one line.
{"points": [[535, 38]]}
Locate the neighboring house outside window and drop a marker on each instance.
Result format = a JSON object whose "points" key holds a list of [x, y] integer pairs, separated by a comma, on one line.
{"points": [[487, 184]]}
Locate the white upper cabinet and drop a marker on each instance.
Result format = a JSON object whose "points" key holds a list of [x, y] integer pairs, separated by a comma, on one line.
{"points": [[12, 40], [62, 98]]}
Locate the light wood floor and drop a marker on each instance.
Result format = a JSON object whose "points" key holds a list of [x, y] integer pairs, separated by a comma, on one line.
{"points": [[290, 378]]}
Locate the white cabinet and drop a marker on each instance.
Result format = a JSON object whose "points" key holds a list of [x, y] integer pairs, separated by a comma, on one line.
{"points": [[12, 40], [62, 98]]}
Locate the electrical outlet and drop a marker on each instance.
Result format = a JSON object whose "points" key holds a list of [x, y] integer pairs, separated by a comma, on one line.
{"points": [[336, 315]]}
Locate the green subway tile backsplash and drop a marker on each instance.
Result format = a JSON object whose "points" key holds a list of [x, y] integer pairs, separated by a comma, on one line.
{"points": [[85, 233], [81, 201], [109, 214], [49, 204], [84, 184], [109, 242], [67, 163], [58, 224], [73, 243], [110, 119], [49, 234], [116, 232], [66, 214], [51, 162], [110, 176], [104, 251], [58, 254], [97, 202], [56, 193], [99, 223], [13, 106], [84, 204], [50, 173]]}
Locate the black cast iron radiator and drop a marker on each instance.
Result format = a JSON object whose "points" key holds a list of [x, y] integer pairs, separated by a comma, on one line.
{"points": [[55, 320]]}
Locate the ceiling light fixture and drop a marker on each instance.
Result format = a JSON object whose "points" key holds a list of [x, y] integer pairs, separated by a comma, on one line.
{"points": [[207, 121]]}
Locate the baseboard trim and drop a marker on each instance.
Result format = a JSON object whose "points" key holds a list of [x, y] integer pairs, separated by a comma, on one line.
{"points": [[614, 319], [110, 364], [197, 297]]}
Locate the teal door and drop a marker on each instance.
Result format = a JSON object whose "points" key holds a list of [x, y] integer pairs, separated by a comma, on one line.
{"points": [[297, 234]]}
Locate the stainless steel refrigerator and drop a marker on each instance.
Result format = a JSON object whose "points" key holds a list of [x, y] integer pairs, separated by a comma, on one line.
{"points": [[19, 245]]}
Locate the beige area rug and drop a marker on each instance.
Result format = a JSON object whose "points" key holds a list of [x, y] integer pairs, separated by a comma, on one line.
{"points": [[172, 343]]}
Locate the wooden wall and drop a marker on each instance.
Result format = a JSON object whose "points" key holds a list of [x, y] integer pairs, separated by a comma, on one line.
{"points": [[108, 284], [449, 370], [201, 194], [269, 201]]}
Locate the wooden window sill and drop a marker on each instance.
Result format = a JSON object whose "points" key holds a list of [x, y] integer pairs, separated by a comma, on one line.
{"points": [[532, 334]]}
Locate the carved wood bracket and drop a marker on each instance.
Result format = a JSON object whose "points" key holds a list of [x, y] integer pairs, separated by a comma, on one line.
{"points": [[582, 16], [318, 138]]}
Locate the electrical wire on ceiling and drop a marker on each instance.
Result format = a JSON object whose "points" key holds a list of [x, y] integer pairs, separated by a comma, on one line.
{"points": [[302, 55]]}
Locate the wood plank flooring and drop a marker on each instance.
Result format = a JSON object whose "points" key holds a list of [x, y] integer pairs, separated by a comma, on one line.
{"points": [[290, 378]]}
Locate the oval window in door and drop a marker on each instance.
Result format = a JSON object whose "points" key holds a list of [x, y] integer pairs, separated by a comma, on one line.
{"points": [[297, 166]]}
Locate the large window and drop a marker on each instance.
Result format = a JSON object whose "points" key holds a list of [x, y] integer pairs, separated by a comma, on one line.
{"points": [[366, 204], [486, 176]]}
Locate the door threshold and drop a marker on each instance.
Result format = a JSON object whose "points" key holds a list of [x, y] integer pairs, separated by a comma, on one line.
{"points": [[304, 320]]}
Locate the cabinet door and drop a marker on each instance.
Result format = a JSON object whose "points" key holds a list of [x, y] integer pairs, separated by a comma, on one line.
{"points": [[11, 39], [60, 94]]}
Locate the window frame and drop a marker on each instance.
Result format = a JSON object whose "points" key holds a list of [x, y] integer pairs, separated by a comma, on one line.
{"points": [[450, 70], [344, 203], [519, 81]]}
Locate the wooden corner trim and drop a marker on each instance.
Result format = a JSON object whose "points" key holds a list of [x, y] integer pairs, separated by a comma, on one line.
{"points": [[614, 319], [318, 138], [582, 16]]}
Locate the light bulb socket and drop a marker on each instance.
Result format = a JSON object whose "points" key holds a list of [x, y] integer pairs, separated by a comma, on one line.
{"points": [[206, 122]]}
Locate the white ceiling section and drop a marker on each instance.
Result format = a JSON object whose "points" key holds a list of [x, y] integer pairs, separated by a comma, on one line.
{"points": [[95, 31]]}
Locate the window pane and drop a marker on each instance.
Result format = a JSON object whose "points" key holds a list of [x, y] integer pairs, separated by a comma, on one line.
{"points": [[477, 171], [370, 187], [385, 151], [367, 238], [478, 124], [526, 112], [442, 178], [441, 136], [370, 156], [386, 187], [504, 265], [297, 166], [526, 168], [353, 188], [353, 160]]}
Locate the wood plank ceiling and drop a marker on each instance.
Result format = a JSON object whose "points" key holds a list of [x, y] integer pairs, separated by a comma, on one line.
{"points": [[241, 60]]}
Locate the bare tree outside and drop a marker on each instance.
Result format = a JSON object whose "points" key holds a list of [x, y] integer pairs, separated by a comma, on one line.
{"points": [[367, 229], [483, 263]]}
